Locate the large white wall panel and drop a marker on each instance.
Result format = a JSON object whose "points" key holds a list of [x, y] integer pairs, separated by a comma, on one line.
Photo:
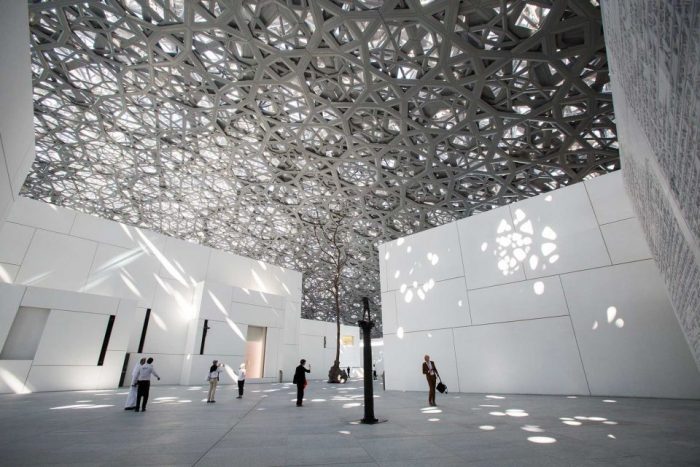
{"points": [[257, 315], [225, 338], [8, 273], [389, 313], [429, 255], [73, 301], [57, 261], [63, 378], [104, 231], [290, 331], [258, 298], [537, 298], [44, 216], [488, 251], [311, 349], [171, 314], [127, 316], [14, 242], [16, 118], [121, 272], [608, 197], [444, 305], [216, 301], [404, 359], [78, 335], [111, 370], [184, 261], [383, 279], [531, 357], [625, 241], [10, 298], [169, 367], [630, 340], [13, 374], [135, 328], [565, 234]]}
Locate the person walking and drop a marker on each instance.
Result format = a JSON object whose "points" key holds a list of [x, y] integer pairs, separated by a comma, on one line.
{"points": [[241, 380], [431, 373], [213, 378], [131, 397], [348, 372], [143, 381], [300, 380]]}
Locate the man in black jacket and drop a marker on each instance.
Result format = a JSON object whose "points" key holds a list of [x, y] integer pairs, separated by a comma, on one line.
{"points": [[300, 380]]}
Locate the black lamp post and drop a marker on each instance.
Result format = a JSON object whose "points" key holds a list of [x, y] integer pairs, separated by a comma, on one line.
{"points": [[366, 325]]}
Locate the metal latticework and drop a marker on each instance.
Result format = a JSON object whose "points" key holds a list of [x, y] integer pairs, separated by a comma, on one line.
{"points": [[242, 124]]}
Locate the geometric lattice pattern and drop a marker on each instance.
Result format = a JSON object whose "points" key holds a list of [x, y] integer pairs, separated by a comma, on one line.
{"points": [[242, 124]]}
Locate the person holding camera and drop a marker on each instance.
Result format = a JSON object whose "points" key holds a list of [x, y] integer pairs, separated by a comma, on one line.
{"points": [[213, 378]]}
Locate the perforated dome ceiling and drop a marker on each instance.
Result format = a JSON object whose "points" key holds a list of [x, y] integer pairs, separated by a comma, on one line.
{"points": [[241, 124]]}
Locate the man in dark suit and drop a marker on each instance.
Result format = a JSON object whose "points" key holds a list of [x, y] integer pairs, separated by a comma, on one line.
{"points": [[300, 380], [431, 373]]}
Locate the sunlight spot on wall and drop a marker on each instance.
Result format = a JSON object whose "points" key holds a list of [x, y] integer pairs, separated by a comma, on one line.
{"points": [[159, 321], [519, 216], [399, 332], [611, 436], [538, 287], [519, 254], [409, 296], [527, 228], [236, 329], [553, 259], [410, 272], [484, 246], [13, 382], [397, 274], [487, 427], [503, 226], [548, 198], [162, 259], [548, 233], [386, 255], [542, 439], [402, 289], [217, 303], [400, 241], [130, 285], [37, 278], [619, 322], [409, 248], [532, 429], [611, 313], [595, 325], [262, 265], [5, 275], [459, 303]]}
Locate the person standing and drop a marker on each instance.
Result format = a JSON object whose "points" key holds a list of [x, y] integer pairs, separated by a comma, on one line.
{"points": [[431, 373], [131, 398], [300, 380], [143, 381], [213, 379], [348, 372], [241, 380]]}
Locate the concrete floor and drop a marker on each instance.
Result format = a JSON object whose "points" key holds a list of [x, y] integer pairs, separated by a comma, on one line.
{"points": [[266, 429]]}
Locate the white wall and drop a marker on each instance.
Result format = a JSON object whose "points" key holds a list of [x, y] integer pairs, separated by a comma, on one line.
{"points": [[16, 118], [311, 334], [70, 343], [49, 247], [556, 294]]}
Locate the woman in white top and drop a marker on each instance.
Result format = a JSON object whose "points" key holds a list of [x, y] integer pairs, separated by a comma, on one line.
{"points": [[213, 379], [241, 380]]}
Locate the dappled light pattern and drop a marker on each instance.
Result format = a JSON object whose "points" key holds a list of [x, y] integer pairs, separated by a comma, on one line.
{"points": [[239, 125]]}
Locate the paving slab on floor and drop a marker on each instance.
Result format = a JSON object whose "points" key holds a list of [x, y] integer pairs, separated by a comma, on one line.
{"points": [[265, 428]]}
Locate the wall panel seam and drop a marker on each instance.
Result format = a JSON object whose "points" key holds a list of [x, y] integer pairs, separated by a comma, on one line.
{"points": [[573, 330], [595, 216]]}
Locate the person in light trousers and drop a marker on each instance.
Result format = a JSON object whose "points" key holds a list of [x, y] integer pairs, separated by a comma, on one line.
{"points": [[213, 378]]}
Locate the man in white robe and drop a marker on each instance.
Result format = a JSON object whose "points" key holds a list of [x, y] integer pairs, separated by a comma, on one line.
{"points": [[131, 398]]}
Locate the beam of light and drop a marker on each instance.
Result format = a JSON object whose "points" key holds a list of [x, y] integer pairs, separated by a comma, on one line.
{"points": [[13, 382]]}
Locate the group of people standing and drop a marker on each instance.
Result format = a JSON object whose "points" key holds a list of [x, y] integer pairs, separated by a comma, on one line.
{"points": [[214, 376], [140, 385]]}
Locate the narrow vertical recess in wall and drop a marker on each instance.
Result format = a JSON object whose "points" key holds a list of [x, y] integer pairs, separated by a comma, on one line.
{"points": [[573, 329], [145, 328], [105, 341], [204, 336], [125, 366]]}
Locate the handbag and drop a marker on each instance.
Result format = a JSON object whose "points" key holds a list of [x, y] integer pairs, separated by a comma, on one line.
{"points": [[442, 387]]}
